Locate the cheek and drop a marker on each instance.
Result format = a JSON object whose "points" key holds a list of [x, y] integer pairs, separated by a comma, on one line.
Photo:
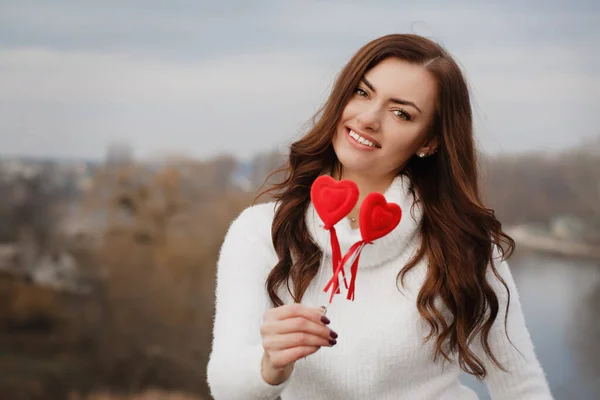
{"points": [[350, 111], [403, 139], [347, 114]]}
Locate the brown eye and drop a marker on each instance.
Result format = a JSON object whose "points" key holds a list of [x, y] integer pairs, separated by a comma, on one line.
{"points": [[402, 114], [361, 92]]}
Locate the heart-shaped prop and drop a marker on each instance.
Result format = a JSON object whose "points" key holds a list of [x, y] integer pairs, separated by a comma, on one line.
{"points": [[333, 200], [378, 217]]}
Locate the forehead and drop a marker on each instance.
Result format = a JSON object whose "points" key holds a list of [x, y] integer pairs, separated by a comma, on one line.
{"points": [[394, 78]]}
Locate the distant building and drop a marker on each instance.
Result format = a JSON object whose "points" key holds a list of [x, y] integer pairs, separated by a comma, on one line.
{"points": [[59, 271], [568, 227], [241, 176], [119, 154], [15, 168]]}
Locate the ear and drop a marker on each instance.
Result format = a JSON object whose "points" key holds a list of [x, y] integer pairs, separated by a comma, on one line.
{"points": [[430, 146]]}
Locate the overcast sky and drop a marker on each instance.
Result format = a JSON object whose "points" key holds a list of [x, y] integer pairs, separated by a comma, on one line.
{"points": [[207, 77]]}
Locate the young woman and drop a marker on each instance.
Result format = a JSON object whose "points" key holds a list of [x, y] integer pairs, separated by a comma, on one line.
{"points": [[433, 297]]}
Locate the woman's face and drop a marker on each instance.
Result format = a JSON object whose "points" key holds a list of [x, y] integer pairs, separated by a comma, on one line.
{"points": [[387, 119]]}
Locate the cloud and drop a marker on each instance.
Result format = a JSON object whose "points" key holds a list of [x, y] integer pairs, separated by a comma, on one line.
{"points": [[238, 104], [48, 75], [239, 77]]}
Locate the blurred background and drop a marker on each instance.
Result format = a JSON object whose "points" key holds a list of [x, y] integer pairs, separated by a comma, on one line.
{"points": [[134, 132]]}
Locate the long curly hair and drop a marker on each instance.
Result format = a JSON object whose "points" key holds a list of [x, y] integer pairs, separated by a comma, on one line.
{"points": [[458, 233]]}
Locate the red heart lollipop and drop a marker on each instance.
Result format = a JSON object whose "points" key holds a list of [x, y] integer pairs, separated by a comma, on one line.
{"points": [[333, 200], [378, 217]]}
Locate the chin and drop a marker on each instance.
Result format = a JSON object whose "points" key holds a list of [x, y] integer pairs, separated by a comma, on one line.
{"points": [[351, 160]]}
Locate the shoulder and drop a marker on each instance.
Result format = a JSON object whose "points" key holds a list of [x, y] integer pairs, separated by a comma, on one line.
{"points": [[261, 214], [500, 277], [254, 222]]}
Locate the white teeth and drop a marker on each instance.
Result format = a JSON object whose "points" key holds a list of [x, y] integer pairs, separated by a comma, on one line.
{"points": [[361, 139]]}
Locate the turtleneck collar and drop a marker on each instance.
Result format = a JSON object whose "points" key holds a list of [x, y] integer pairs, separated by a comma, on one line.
{"points": [[384, 249]]}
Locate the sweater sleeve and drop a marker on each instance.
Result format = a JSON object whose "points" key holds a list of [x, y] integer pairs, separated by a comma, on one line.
{"points": [[524, 379], [234, 366]]}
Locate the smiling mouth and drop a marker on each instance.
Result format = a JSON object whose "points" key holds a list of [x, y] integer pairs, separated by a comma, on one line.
{"points": [[362, 140]]}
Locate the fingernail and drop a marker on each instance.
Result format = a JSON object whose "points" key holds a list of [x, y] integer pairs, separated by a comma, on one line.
{"points": [[332, 342], [325, 320], [333, 334]]}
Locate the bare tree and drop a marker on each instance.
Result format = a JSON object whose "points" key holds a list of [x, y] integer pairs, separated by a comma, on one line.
{"points": [[163, 231]]}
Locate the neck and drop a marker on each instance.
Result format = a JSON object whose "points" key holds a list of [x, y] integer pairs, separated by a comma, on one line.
{"points": [[384, 248], [366, 184]]}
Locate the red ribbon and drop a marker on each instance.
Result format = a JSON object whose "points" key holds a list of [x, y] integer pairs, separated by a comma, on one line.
{"points": [[336, 256], [334, 200], [334, 281], [354, 270]]}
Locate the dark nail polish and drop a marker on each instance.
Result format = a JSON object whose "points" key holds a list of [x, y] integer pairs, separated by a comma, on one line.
{"points": [[333, 334], [325, 320], [332, 342]]}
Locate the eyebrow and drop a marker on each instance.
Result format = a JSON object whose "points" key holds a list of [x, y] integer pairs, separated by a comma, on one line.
{"points": [[397, 101]]}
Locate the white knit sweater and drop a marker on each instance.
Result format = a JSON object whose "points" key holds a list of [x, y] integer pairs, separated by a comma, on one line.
{"points": [[380, 352]]}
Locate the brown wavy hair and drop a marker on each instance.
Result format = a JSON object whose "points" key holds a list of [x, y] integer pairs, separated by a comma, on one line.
{"points": [[458, 232]]}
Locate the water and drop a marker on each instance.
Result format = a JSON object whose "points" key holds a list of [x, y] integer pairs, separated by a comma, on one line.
{"points": [[561, 303]]}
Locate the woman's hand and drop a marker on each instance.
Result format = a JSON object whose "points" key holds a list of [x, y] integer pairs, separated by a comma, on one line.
{"points": [[289, 333]]}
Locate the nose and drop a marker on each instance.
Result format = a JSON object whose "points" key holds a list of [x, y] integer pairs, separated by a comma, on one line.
{"points": [[368, 120]]}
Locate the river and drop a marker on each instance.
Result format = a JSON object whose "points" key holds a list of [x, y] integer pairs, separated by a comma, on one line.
{"points": [[561, 303]]}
